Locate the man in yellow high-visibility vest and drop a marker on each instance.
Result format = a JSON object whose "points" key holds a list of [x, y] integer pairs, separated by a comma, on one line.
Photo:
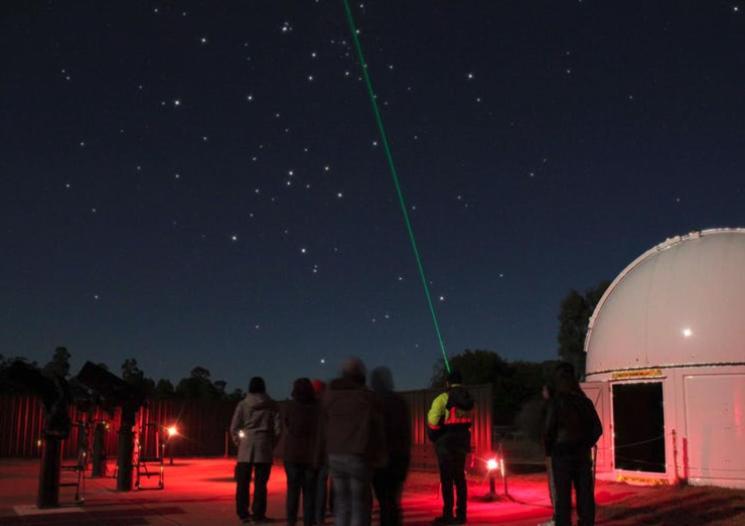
{"points": [[449, 421]]}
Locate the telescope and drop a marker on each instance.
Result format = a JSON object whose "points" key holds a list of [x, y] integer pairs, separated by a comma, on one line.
{"points": [[113, 392], [55, 396]]}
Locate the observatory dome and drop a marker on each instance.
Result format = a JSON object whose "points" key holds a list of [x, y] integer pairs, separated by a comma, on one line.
{"points": [[681, 303]]}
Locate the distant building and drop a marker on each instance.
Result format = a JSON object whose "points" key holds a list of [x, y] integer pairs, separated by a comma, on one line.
{"points": [[666, 364]]}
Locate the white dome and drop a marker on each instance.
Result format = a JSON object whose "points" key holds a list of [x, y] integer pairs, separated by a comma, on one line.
{"points": [[680, 303]]}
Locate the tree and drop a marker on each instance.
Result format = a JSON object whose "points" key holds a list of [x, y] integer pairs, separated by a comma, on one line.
{"points": [[60, 363], [197, 385], [164, 389], [574, 317], [132, 374], [476, 367], [513, 383]]}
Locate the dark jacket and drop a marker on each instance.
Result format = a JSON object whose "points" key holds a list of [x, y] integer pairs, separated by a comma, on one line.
{"points": [[397, 424], [300, 432], [352, 421], [256, 418], [571, 425]]}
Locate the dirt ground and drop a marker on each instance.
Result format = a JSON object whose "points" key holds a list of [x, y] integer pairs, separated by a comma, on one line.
{"points": [[200, 491]]}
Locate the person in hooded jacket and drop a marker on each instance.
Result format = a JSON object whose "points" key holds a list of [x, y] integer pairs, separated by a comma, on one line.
{"points": [[449, 423], [299, 447], [254, 428], [571, 429]]}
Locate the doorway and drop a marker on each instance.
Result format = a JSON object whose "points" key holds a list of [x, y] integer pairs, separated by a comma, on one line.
{"points": [[639, 427]]}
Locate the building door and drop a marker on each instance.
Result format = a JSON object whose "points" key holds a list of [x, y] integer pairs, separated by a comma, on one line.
{"points": [[639, 427]]}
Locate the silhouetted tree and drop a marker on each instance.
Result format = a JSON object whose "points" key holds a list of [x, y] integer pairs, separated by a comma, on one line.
{"points": [[132, 374], [513, 383], [197, 385], [574, 317], [60, 363], [164, 389], [236, 395], [220, 386]]}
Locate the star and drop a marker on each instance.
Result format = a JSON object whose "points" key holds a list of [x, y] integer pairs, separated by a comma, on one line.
{"points": [[67, 185], [313, 54], [303, 250], [234, 237], [736, 9], [310, 78], [250, 97], [442, 298], [339, 195], [323, 361], [82, 144], [93, 210], [469, 76], [205, 138], [96, 297], [326, 168], [177, 176], [203, 40]]}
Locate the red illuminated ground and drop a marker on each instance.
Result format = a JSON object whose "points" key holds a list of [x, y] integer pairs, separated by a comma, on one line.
{"points": [[200, 491]]}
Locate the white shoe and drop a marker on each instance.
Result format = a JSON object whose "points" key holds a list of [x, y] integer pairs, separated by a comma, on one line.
{"points": [[547, 523]]}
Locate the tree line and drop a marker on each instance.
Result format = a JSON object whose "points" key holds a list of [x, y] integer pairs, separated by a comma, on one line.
{"points": [[198, 385], [515, 383]]}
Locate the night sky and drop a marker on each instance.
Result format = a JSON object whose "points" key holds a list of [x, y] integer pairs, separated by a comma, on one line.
{"points": [[203, 183]]}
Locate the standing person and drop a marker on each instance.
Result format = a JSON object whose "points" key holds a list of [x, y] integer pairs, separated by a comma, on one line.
{"points": [[353, 429], [449, 421], [255, 428], [388, 481], [572, 427], [323, 496], [299, 449], [547, 394]]}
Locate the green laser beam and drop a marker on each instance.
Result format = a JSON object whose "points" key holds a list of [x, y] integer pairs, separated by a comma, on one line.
{"points": [[394, 175]]}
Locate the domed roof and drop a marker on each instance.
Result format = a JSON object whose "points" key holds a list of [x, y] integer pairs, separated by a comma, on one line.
{"points": [[680, 303]]}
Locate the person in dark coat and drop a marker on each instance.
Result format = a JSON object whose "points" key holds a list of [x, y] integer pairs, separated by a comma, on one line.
{"points": [[388, 481], [255, 428], [355, 443], [324, 491], [300, 450], [571, 429]]}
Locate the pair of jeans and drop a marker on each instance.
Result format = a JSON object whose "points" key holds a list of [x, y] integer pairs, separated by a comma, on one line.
{"points": [[388, 483], [452, 465], [243, 481], [324, 500], [301, 478], [573, 470], [351, 475]]}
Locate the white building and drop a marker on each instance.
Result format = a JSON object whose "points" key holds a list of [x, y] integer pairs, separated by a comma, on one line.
{"points": [[666, 364]]}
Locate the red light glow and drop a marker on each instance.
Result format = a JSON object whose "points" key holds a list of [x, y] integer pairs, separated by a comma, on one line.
{"points": [[172, 431], [492, 464]]}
